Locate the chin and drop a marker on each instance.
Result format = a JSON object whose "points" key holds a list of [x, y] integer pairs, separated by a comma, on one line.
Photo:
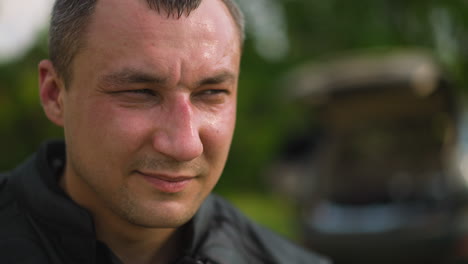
{"points": [[161, 215]]}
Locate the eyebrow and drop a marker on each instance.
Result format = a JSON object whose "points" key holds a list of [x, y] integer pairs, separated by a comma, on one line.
{"points": [[135, 76], [132, 76], [222, 77]]}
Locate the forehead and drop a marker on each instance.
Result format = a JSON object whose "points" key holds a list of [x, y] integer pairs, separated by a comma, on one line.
{"points": [[128, 34], [122, 32], [123, 17]]}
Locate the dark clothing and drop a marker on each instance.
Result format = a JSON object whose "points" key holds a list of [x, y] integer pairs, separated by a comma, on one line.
{"points": [[40, 224]]}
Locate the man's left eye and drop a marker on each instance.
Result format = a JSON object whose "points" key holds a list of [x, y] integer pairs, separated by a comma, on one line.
{"points": [[214, 92], [212, 96]]}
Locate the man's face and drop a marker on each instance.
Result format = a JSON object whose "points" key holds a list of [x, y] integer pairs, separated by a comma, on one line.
{"points": [[149, 114]]}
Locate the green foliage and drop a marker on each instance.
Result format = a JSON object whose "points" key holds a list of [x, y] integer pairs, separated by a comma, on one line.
{"points": [[320, 29], [22, 123], [274, 212]]}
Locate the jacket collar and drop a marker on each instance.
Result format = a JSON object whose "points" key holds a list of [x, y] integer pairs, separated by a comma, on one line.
{"points": [[36, 184]]}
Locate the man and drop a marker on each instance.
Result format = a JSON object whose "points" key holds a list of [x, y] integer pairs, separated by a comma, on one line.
{"points": [[146, 93]]}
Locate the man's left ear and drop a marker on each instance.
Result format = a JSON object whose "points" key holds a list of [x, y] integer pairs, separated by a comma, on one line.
{"points": [[51, 92]]}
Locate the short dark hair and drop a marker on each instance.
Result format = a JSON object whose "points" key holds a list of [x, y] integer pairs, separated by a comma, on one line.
{"points": [[71, 17]]}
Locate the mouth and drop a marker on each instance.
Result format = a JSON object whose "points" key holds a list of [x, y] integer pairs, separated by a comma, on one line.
{"points": [[167, 183]]}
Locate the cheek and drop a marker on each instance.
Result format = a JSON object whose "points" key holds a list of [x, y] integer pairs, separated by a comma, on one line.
{"points": [[217, 138], [107, 128]]}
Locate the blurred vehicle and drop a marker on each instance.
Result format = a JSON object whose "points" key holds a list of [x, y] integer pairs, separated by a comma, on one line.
{"points": [[380, 180]]}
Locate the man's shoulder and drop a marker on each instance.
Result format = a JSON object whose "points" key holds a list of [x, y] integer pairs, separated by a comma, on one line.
{"points": [[232, 235], [18, 243], [13, 220], [9, 211]]}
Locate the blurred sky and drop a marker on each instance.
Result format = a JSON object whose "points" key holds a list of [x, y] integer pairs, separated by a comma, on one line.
{"points": [[20, 23]]}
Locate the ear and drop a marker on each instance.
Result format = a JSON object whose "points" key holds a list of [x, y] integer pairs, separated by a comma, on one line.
{"points": [[51, 92]]}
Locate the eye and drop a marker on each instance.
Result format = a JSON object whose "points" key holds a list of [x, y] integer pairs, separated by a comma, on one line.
{"points": [[137, 97], [213, 92], [212, 96], [141, 91]]}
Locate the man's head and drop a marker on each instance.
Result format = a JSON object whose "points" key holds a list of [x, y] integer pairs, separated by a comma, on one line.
{"points": [[70, 19], [149, 112]]}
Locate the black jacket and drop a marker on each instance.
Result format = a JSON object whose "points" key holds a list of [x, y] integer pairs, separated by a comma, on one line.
{"points": [[39, 224]]}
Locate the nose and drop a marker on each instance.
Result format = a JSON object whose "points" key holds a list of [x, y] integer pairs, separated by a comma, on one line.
{"points": [[178, 135]]}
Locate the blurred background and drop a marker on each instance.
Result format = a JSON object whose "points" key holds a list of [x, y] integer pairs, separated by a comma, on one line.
{"points": [[351, 135]]}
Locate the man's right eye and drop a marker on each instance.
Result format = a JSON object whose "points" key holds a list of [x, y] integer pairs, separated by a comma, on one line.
{"points": [[137, 97], [141, 91]]}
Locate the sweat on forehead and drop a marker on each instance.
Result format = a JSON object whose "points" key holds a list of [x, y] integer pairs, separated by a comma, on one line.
{"points": [[70, 19]]}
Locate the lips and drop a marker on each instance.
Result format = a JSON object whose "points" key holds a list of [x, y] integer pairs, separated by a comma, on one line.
{"points": [[166, 183]]}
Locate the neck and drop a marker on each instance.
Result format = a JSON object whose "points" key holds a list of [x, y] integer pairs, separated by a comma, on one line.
{"points": [[131, 243], [137, 245]]}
